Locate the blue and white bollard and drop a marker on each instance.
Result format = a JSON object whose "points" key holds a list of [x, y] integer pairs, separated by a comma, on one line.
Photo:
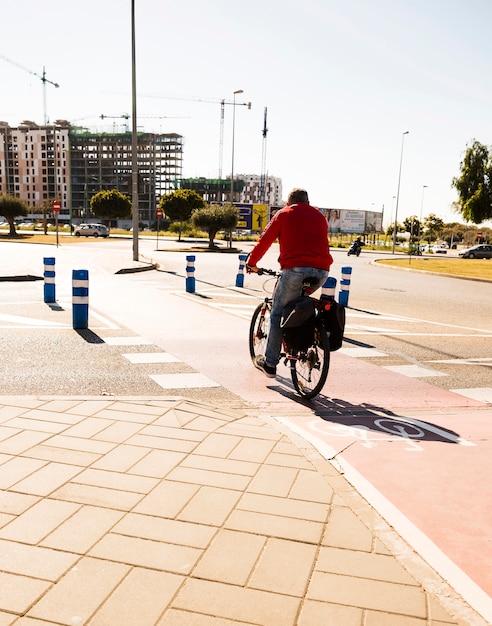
{"points": [[343, 296], [49, 279], [240, 273], [80, 298], [328, 288], [190, 274]]}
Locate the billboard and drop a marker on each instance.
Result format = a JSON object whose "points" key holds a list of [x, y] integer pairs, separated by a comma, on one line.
{"points": [[353, 221]]}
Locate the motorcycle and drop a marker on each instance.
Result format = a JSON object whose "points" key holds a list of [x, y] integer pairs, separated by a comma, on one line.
{"points": [[355, 248]]}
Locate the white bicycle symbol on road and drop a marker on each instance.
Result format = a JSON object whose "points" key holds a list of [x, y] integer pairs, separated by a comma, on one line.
{"points": [[402, 429]]}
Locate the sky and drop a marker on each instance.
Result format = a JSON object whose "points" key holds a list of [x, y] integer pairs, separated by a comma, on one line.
{"points": [[341, 83]]}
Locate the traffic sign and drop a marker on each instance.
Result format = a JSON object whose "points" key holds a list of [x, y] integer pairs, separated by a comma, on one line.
{"points": [[56, 206], [159, 213]]}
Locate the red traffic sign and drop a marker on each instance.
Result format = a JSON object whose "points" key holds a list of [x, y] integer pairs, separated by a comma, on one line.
{"points": [[479, 235], [159, 213], [56, 206]]}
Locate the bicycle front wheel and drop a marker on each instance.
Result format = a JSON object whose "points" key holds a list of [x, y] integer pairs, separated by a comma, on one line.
{"points": [[309, 368], [258, 330]]}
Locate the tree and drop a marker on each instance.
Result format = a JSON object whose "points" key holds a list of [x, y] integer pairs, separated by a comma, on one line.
{"points": [[110, 204], [180, 204], [412, 226], [11, 207], [215, 217], [433, 225], [474, 186]]}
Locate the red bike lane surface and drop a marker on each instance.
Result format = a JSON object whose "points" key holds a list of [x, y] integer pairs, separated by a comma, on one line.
{"points": [[420, 455]]}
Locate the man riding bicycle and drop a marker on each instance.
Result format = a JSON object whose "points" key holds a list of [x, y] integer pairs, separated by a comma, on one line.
{"points": [[302, 232]]}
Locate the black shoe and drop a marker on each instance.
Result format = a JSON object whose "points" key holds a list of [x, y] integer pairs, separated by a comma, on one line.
{"points": [[261, 364]]}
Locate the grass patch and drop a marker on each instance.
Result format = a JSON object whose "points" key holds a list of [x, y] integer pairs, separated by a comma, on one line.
{"points": [[467, 268]]}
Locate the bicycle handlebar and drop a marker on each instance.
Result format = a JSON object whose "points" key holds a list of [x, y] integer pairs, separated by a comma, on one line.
{"points": [[265, 270]]}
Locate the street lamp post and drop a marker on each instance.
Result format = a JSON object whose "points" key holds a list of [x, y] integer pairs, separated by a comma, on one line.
{"points": [[395, 228], [134, 143], [233, 130], [424, 187]]}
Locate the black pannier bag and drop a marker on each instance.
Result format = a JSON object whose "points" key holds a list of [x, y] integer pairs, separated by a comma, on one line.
{"points": [[334, 321], [298, 323]]}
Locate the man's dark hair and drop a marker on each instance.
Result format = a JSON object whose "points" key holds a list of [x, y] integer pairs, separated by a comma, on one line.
{"points": [[297, 195]]}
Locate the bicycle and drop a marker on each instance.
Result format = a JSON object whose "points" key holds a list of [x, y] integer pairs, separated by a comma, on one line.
{"points": [[309, 364]]}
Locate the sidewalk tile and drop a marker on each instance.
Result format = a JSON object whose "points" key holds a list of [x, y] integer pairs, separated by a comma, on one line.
{"points": [[53, 417], [89, 427], [80, 444], [275, 526], [17, 469], [18, 593], [376, 618], [230, 557], [241, 429], [80, 593], [60, 455], [32, 561], [273, 481], [368, 594], [175, 617], [43, 426], [139, 600], [363, 565], [157, 463], [161, 443], [121, 458], [253, 450], [228, 466], [212, 479], [315, 613], [218, 445], [82, 530], [168, 530], [118, 432], [289, 460], [167, 499], [284, 567], [19, 442], [60, 406], [210, 506], [185, 434], [345, 530], [125, 416], [147, 553], [38, 521], [8, 412], [237, 603], [139, 408], [47, 479], [311, 486], [90, 407], [15, 503], [97, 496], [287, 507], [116, 480]]}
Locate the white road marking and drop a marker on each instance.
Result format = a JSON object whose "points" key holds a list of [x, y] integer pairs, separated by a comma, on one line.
{"points": [[413, 371], [151, 357], [126, 341], [183, 381], [483, 394]]}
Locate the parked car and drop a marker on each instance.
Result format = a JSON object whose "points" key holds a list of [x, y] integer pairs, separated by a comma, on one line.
{"points": [[482, 251], [88, 230]]}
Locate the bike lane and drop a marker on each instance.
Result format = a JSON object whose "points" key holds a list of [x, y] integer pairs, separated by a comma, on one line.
{"points": [[421, 456]]}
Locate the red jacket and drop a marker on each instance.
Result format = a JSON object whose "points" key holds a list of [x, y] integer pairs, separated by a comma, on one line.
{"points": [[302, 232]]}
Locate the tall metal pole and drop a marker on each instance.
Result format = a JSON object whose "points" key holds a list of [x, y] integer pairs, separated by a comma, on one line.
{"points": [[424, 187], [395, 227], [134, 144], [233, 130]]}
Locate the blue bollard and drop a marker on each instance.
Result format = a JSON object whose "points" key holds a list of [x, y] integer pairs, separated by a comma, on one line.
{"points": [[190, 274], [240, 273], [80, 298], [328, 288], [49, 279], [343, 296]]}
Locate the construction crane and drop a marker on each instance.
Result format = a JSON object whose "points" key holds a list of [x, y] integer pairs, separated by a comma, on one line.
{"points": [[43, 78], [263, 159], [222, 103], [126, 117]]}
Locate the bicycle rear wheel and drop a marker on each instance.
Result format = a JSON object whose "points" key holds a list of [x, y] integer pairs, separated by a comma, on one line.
{"points": [[310, 368], [258, 330]]}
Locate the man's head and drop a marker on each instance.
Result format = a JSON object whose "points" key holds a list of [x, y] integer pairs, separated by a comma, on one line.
{"points": [[297, 195]]}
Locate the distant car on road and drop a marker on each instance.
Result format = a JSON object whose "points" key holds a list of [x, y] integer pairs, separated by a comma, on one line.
{"points": [[88, 230], [482, 251]]}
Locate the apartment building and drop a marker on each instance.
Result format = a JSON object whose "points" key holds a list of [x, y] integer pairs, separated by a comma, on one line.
{"points": [[70, 164]]}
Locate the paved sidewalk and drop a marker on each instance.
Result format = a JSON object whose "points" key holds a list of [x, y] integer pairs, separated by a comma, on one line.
{"points": [[143, 512]]}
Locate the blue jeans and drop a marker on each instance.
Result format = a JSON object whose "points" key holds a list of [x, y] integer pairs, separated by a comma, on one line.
{"points": [[288, 287]]}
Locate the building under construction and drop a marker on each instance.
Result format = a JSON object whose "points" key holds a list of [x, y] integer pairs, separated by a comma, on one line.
{"points": [[62, 162]]}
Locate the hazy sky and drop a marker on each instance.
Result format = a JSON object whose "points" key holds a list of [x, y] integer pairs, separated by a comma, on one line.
{"points": [[341, 81]]}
